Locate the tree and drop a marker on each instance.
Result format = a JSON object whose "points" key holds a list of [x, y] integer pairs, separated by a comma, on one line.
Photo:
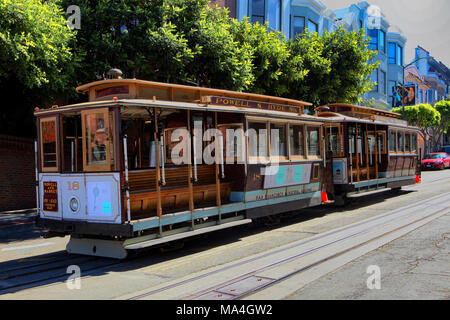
{"points": [[34, 60], [423, 116], [177, 41], [443, 107], [338, 66], [219, 60], [272, 63]]}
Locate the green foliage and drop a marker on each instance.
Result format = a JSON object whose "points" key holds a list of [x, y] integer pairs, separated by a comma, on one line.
{"points": [[270, 57], [219, 60], [433, 121], [421, 115], [336, 64], [178, 41], [443, 107], [33, 43], [35, 60]]}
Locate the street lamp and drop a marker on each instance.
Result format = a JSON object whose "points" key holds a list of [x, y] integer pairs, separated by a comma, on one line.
{"points": [[403, 87]]}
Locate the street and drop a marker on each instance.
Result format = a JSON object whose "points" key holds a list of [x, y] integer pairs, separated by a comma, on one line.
{"points": [[317, 253]]}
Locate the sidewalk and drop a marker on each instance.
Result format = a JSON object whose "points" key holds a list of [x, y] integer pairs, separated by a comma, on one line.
{"points": [[9, 218]]}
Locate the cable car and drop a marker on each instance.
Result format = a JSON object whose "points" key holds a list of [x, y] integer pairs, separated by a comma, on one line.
{"points": [[372, 149], [145, 163]]}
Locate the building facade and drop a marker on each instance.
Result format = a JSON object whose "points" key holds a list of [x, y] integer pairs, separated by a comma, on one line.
{"points": [[291, 17], [387, 40], [435, 74], [395, 54]]}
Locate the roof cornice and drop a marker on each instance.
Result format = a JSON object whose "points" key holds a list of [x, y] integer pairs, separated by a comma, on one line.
{"points": [[315, 5]]}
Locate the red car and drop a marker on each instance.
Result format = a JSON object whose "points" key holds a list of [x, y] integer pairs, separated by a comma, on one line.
{"points": [[440, 160]]}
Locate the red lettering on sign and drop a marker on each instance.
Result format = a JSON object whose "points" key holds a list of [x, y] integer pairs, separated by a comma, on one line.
{"points": [[49, 131]]}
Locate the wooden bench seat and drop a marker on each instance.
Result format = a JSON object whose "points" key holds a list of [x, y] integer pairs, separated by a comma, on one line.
{"points": [[144, 202], [175, 177]]}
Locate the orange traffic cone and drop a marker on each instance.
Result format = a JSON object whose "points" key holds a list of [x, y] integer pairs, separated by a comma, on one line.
{"points": [[324, 195]]}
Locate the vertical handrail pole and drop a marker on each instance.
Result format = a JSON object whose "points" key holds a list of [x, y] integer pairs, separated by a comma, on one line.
{"points": [[218, 159], [194, 141], [357, 154], [190, 175], [163, 160], [367, 152], [377, 152], [72, 153], [222, 163], [351, 159], [36, 163], [127, 188], [324, 147], [158, 170]]}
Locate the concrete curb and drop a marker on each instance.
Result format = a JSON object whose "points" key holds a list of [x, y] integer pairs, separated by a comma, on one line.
{"points": [[17, 217], [23, 211]]}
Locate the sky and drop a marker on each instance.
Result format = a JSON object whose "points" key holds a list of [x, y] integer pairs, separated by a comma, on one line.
{"points": [[424, 22]]}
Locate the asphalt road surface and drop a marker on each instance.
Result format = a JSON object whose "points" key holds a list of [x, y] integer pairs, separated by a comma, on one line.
{"points": [[382, 246]]}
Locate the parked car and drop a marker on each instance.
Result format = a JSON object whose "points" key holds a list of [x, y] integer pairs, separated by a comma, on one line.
{"points": [[440, 160]]}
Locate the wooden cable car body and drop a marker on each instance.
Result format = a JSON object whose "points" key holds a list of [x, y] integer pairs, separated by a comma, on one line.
{"points": [[109, 171], [372, 149]]}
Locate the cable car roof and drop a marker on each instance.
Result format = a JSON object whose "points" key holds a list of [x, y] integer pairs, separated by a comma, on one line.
{"points": [[142, 89]]}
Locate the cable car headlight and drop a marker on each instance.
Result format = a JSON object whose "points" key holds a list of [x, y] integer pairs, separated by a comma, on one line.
{"points": [[74, 204]]}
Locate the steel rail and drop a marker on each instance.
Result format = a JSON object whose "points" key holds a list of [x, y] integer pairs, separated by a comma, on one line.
{"points": [[294, 257], [38, 272], [289, 275], [301, 242]]}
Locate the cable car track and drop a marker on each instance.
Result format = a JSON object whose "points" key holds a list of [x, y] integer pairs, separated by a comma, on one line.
{"points": [[218, 289], [52, 268], [41, 272]]}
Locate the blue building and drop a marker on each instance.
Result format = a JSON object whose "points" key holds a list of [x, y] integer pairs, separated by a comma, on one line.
{"points": [[396, 45], [288, 16], [387, 40], [435, 74], [292, 17]]}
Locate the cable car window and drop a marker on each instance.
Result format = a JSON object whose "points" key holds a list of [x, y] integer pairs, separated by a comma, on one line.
{"points": [[333, 141], [257, 139], [392, 141], [351, 140], [313, 142], [233, 142], [71, 144], [360, 144], [399, 141], [97, 140], [172, 139], [49, 148], [414, 142], [407, 142], [371, 142], [296, 139], [381, 142], [278, 146]]}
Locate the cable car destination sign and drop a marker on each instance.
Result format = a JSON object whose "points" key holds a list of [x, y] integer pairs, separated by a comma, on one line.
{"points": [[223, 101]]}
